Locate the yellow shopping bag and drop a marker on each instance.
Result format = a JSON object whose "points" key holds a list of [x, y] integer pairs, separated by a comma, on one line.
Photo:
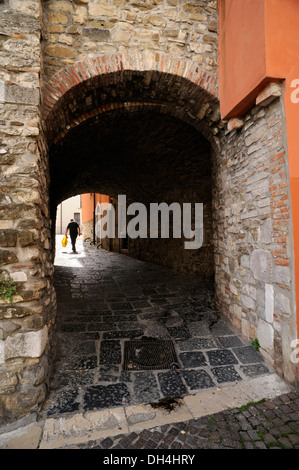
{"points": [[64, 241]]}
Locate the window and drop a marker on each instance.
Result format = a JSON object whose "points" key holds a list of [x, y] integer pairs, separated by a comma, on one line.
{"points": [[77, 217]]}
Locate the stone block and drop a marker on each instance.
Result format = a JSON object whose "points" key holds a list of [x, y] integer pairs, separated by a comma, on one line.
{"points": [[29, 7], [23, 438], [60, 51], [8, 382], [8, 257], [27, 344], [147, 34], [197, 17], [8, 238], [260, 297], [245, 261], [25, 238], [19, 276], [282, 275], [155, 20], [81, 16], [261, 265], [82, 428], [236, 208], [65, 6], [12, 93], [266, 232], [282, 304], [202, 112], [234, 124], [265, 334], [24, 23], [96, 33], [248, 302], [58, 17], [66, 39], [254, 136], [2, 92], [269, 302], [122, 36], [96, 10], [193, 7], [55, 28], [140, 417], [233, 289], [2, 352], [261, 312], [249, 290], [270, 93]]}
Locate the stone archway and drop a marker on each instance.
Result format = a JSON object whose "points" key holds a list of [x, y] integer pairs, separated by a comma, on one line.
{"points": [[104, 87], [140, 142], [197, 94], [124, 87], [164, 79], [246, 174]]}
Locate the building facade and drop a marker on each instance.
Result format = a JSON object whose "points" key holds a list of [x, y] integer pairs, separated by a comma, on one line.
{"points": [[69, 209]]}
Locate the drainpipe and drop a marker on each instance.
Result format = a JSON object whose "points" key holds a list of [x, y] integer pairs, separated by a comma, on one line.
{"points": [[61, 218]]}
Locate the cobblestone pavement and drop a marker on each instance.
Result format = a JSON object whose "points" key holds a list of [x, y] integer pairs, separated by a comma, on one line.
{"points": [[106, 300], [269, 424]]}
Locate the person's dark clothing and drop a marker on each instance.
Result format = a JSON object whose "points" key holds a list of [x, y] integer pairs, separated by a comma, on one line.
{"points": [[73, 227], [74, 230]]}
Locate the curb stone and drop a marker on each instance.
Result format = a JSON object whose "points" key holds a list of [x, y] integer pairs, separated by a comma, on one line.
{"points": [[79, 429]]}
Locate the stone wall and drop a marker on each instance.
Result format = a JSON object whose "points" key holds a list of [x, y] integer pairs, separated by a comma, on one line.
{"points": [[252, 234], [171, 252], [26, 320], [74, 30], [87, 232], [191, 173]]}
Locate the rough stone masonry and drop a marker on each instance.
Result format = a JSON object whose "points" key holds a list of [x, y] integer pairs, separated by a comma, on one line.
{"points": [[65, 64]]}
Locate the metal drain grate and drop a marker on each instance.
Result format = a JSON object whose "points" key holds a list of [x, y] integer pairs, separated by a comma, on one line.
{"points": [[149, 355]]}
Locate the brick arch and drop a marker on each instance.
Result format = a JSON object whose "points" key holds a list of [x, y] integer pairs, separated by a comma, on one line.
{"points": [[168, 81]]}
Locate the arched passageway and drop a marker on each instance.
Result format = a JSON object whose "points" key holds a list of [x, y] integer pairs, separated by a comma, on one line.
{"points": [[140, 148], [150, 158], [152, 145], [117, 125], [150, 129], [141, 131]]}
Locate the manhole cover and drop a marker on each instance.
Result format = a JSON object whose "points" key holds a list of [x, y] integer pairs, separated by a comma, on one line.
{"points": [[149, 355]]}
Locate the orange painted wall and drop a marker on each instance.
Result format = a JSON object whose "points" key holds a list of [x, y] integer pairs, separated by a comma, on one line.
{"points": [[87, 205], [282, 32], [276, 32], [242, 54]]}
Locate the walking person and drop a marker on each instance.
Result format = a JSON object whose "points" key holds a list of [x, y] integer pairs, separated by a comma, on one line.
{"points": [[74, 230]]}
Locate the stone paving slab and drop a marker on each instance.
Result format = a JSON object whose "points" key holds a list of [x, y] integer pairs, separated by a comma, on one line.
{"points": [[60, 433], [267, 424], [125, 427]]}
